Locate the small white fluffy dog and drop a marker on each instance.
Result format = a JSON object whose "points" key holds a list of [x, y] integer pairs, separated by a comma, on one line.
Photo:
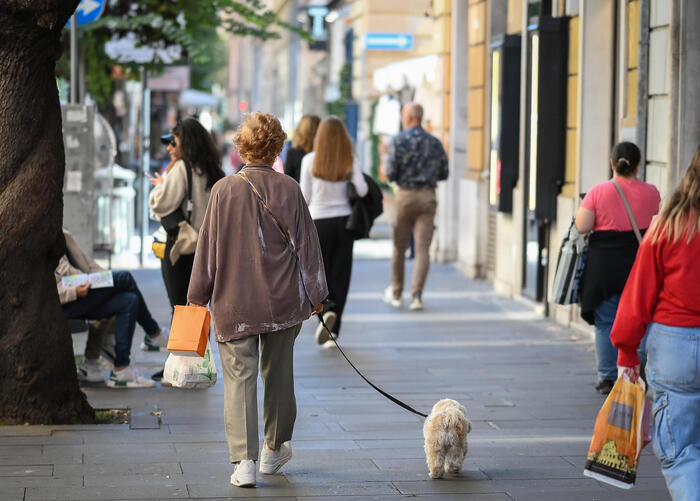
{"points": [[445, 431]]}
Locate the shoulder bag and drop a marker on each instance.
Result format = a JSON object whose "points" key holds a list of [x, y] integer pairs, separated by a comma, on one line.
{"points": [[177, 225], [571, 262], [364, 209]]}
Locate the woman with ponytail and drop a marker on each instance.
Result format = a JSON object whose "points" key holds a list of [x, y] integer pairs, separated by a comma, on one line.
{"points": [[662, 299], [612, 248]]}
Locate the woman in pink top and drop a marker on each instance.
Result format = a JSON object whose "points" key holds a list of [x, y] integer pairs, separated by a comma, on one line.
{"points": [[611, 249]]}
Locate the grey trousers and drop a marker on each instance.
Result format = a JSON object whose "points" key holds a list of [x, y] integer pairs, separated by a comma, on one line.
{"points": [[239, 359], [415, 211]]}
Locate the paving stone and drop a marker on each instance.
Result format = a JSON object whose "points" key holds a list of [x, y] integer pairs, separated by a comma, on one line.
{"points": [[118, 468], [266, 488], [438, 497], [449, 485], [40, 440], [28, 431], [37, 481], [125, 492], [242, 494], [584, 489], [12, 493], [525, 467], [26, 471]]}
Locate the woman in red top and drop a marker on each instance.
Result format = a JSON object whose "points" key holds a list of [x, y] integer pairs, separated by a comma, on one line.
{"points": [[611, 249], [662, 299]]}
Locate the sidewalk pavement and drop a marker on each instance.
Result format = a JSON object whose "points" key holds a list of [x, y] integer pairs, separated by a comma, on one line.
{"points": [[526, 382]]}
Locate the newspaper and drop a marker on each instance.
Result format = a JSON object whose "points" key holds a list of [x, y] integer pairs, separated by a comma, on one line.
{"points": [[98, 280]]}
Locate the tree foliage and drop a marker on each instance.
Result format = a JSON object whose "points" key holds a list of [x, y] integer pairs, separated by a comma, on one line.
{"points": [[192, 25]]}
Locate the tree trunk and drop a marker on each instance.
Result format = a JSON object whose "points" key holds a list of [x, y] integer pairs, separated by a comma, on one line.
{"points": [[38, 381]]}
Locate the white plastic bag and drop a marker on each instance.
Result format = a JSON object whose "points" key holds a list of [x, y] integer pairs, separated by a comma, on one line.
{"points": [[190, 372]]}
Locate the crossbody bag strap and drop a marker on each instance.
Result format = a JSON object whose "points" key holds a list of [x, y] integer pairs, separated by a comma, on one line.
{"points": [[282, 229], [629, 211], [188, 169]]}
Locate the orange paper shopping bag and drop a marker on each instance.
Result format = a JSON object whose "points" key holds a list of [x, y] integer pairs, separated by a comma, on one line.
{"points": [[189, 331]]}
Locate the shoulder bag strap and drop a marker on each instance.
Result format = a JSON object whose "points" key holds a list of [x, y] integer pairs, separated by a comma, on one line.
{"points": [[282, 229], [188, 169], [629, 211]]}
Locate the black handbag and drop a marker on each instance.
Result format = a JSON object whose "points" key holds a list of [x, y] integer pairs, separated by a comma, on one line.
{"points": [[364, 209], [171, 222]]}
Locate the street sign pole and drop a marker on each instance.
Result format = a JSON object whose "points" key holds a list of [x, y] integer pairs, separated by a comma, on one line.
{"points": [[87, 11], [145, 159], [362, 119], [73, 60]]}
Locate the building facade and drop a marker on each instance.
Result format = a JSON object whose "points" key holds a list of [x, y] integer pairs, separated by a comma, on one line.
{"points": [[542, 92]]}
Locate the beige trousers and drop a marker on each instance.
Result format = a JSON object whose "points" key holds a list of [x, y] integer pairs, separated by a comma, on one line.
{"points": [[239, 359], [415, 211]]}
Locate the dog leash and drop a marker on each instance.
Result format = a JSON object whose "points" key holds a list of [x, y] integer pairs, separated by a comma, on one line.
{"points": [[288, 240], [382, 392]]}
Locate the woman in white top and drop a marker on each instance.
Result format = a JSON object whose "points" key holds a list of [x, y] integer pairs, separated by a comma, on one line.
{"points": [[324, 178]]}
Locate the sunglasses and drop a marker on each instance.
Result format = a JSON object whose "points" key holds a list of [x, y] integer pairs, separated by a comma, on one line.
{"points": [[168, 139]]}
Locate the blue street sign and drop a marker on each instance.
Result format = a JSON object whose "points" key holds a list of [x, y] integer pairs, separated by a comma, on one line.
{"points": [[388, 41], [88, 11]]}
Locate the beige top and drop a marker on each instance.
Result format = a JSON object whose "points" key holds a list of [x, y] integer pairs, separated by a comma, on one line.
{"points": [[72, 262], [243, 267], [172, 193]]}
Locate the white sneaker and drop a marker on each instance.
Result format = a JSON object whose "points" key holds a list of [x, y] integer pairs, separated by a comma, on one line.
{"points": [[244, 474], [416, 303], [391, 298], [129, 377], [156, 343], [90, 371], [271, 461], [322, 335]]}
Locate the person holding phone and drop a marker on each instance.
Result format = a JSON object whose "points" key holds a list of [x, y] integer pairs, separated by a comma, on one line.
{"points": [[192, 149]]}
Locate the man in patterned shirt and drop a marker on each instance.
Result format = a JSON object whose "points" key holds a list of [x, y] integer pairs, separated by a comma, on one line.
{"points": [[416, 161]]}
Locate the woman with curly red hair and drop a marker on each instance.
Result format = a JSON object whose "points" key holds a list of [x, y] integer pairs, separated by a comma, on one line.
{"points": [[258, 264]]}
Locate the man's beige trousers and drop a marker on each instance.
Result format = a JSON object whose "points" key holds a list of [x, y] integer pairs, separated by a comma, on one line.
{"points": [[415, 211], [239, 359]]}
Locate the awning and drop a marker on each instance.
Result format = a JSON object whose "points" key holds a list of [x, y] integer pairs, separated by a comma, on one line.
{"points": [[409, 72]]}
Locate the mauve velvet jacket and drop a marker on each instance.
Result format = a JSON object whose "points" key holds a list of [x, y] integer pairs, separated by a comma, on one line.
{"points": [[243, 266]]}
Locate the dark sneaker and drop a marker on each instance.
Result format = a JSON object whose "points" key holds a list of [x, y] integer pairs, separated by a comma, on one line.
{"points": [[603, 387]]}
